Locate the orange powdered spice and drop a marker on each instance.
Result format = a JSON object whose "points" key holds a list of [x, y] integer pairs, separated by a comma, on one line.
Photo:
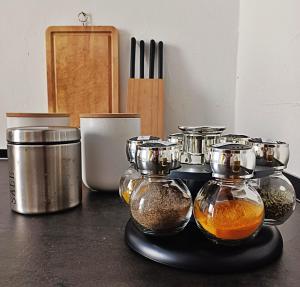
{"points": [[126, 195], [130, 187], [232, 219]]}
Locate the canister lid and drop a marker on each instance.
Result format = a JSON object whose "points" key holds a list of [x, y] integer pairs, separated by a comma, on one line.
{"points": [[36, 115], [27, 135], [132, 144], [232, 161], [202, 129], [110, 115], [157, 157]]}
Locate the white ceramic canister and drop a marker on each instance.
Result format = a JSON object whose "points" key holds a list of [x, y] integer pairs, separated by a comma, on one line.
{"points": [[36, 119], [103, 148]]}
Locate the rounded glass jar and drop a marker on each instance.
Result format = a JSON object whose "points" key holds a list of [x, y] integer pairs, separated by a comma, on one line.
{"points": [[160, 206], [227, 209], [132, 176], [128, 182], [278, 195], [276, 190]]}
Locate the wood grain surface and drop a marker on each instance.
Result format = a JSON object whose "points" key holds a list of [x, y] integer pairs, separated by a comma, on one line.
{"points": [[82, 70], [146, 97]]}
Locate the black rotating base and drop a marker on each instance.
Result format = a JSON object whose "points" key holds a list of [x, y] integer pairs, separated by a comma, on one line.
{"points": [[190, 250]]}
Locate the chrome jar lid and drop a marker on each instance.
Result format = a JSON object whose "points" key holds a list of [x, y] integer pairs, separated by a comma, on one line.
{"points": [[197, 141], [271, 153], [234, 138], [42, 135], [132, 144], [232, 161], [157, 157], [205, 130], [176, 138]]}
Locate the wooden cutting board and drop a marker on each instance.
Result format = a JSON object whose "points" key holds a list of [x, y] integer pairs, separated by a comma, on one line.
{"points": [[82, 70], [146, 97]]}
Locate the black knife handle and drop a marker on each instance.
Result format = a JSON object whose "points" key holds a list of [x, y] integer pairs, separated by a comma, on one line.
{"points": [[152, 58], [160, 59], [132, 57], [142, 56]]}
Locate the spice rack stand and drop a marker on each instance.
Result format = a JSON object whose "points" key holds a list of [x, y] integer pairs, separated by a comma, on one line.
{"points": [[190, 250]]}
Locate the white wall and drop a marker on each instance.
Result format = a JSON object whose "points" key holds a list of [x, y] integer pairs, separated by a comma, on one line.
{"points": [[200, 52], [268, 85]]}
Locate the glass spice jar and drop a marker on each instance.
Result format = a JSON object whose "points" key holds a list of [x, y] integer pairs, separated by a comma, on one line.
{"points": [[131, 176], [227, 209], [276, 191], [160, 205]]}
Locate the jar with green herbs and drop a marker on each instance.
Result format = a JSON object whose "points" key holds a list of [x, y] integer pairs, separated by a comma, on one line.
{"points": [[278, 196], [276, 190]]}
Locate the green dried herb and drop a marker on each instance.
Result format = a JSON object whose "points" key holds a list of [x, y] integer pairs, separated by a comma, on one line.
{"points": [[278, 199]]}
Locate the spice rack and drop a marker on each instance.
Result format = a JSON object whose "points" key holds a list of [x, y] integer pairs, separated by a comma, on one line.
{"points": [[190, 250]]}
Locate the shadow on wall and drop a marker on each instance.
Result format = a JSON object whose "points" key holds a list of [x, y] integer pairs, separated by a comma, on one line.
{"points": [[175, 93], [185, 103]]}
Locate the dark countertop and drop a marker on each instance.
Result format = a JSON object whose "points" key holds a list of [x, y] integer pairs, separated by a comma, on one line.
{"points": [[85, 247]]}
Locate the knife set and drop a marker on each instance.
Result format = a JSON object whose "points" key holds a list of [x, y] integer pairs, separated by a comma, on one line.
{"points": [[146, 96]]}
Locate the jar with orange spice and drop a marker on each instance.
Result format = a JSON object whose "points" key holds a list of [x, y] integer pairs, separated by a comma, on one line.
{"points": [[227, 209]]}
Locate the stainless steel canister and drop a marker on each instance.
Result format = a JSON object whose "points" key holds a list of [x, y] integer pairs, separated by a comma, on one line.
{"points": [[44, 168], [197, 142]]}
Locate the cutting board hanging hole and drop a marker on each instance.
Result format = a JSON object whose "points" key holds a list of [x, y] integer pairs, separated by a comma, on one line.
{"points": [[84, 18]]}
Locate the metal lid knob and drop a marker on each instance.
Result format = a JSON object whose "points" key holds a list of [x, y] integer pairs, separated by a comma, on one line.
{"points": [[157, 157], [132, 144], [232, 161], [271, 153]]}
